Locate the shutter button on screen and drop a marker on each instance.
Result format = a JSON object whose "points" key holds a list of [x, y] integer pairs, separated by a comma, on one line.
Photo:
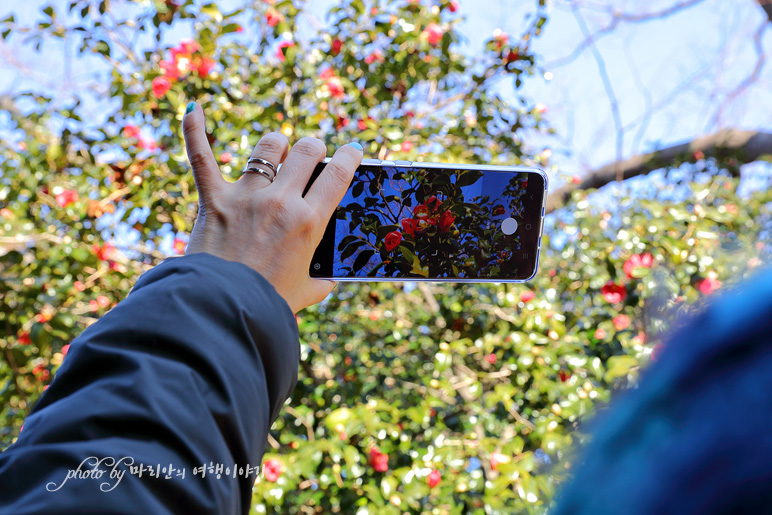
{"points": [[509, 226]]}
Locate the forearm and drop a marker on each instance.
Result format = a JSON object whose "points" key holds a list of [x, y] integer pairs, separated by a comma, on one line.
{"points": [[191, 368]]}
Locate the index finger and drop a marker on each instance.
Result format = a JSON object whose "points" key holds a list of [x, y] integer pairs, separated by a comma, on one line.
{"points": [[329, 188]]}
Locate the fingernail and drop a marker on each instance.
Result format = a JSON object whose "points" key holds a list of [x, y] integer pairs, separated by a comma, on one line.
{"points": [[190, 107], [356, 145]]}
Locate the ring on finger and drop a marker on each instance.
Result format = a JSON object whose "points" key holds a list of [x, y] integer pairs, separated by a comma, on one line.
{"points": [[255, 169], [262, 162]]}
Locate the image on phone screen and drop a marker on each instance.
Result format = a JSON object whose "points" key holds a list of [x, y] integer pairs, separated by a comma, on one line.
{"points": [[414, 222]]}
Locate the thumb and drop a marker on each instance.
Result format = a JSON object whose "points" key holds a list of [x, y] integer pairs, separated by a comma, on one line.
{"points": [[319, 289], [205, 170]]}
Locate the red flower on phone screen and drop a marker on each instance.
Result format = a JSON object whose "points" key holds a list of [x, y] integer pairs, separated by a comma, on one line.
{"points": [[392, 240], [446, 220], [421, 211], [409, 225], [433, 202]]}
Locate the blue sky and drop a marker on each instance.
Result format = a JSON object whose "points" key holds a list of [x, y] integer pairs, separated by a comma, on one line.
{"points": [[708, 47], [670, 77]]}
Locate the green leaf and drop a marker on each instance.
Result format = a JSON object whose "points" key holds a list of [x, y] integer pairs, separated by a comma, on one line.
{"points": [[619, 366]]}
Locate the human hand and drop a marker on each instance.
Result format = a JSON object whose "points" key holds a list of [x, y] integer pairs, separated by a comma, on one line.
{"points": [[269, 226]]}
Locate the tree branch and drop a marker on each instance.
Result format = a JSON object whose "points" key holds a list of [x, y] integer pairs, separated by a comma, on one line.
{"points": [[767, 6], [749, 145]]}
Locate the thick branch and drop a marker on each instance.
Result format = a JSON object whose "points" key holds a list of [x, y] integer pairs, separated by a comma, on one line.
{"points": [[749, 146], [767, 6]]}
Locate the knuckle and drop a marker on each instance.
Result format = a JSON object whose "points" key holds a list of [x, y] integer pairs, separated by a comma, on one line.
{"points": [[198, 160], [273, 143], [339, 174], [311, 147]]}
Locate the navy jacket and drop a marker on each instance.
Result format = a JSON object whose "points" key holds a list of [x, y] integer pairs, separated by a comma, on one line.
{"points": [[190, 369]]}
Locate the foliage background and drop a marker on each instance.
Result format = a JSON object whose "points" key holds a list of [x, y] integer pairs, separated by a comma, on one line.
{"points": [[488, 385]]}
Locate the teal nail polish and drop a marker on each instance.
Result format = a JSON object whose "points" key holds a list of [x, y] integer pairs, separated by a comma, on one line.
{"points": [[190, 107], [356, 145]]}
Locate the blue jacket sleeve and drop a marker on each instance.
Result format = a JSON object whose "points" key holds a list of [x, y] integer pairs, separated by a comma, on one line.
{"points": [[190, 369]]}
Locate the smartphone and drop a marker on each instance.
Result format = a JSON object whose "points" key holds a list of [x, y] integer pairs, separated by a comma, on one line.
{"points": [[404, 220]]}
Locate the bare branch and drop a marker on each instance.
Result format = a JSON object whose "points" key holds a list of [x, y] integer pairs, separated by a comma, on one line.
{"points": [[620, 17], [767, 6], [614, 103], [753, 77], [751, 146]]}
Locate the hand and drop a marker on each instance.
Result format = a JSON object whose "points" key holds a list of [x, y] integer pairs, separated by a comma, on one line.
{"points": [[269, 226]]}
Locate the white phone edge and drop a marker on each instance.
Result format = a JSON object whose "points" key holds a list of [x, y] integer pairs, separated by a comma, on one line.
{"points": [[455, 166]]}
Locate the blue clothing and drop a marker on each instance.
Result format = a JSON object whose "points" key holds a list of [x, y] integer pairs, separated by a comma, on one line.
{"points": [[696, 436], [190, 369]]}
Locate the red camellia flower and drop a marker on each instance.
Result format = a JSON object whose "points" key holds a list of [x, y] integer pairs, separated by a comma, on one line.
{"points": [[527, 296], [161, 85], [433, 33], [501, 37], [433, 202], [280, 50], [170, 69], [613, 292], [392, 240], [147, 144], [453, 6], [600, 334], [239, 28], [205, 66], [637, 261], [446, 220], [189, 46], [379, 460], [179, 246], [24, 338], [130, 131], [708, 285], [79, 285], [337, 44], [226, 157], [272, 469], [421, 211], [361, 125], [564, 376], [491, 358], [576, 179], [105, 252], [273, 17], [102, 301], [498, 210], [434, 478], [621, 322], [406, 146], [497, 459], [335, 87], [65, 349], [341, 122], [409, 225], [375, 56], [66, 197]]}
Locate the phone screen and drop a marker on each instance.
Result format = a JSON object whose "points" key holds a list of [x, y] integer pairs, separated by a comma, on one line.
{"points": [[426, 222]]}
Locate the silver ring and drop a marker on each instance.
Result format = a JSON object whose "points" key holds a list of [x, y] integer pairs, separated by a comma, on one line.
{"points": [[260, 171], [262, 162]]}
